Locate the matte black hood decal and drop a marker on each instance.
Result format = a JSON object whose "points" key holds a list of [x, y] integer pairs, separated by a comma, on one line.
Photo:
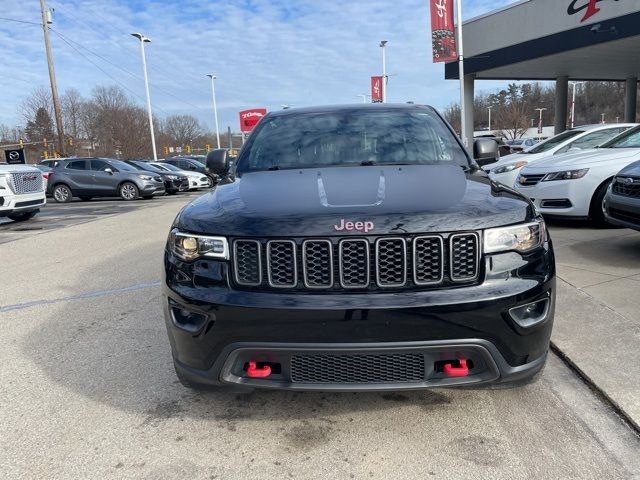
{"points": [[410, 199]]}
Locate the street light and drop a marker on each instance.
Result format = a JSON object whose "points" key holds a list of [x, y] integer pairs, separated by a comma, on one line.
{"points": [[383, 45], [573, 102], [602, 114], [144, 40], [540, 123], [489, 118], [215, 109]]}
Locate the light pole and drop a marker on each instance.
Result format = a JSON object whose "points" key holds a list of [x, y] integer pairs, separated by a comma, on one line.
{"points": [[363, 96], [602, 114], [573, 103], [144, 40], [540, 122], [383, 46], [489, 118], [215, 109]]}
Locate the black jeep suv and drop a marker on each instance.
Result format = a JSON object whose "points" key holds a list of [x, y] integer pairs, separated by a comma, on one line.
{"points": [[358, 248]]}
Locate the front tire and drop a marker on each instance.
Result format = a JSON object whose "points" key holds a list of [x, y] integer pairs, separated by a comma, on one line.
{"points": [[129, 191], [62, 194], [596, 210], [23, 216]]}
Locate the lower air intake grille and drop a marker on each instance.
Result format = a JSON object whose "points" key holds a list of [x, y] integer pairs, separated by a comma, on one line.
{"points": [[365, 368]]}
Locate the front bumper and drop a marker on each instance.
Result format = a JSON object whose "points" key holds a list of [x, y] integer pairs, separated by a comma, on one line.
{"points": [[437, 325], [11, 203], [622, 211], [577, 192], [152, 188]]}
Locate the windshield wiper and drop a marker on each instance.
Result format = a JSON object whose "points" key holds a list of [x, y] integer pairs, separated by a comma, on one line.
{"points": [[274, 167], [368, 163]]}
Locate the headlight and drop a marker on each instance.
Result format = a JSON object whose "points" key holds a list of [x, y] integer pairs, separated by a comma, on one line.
{"points": [[145, 177], [520, 238], [172, 177], [566, 175], [508, 168], [190, 247]]}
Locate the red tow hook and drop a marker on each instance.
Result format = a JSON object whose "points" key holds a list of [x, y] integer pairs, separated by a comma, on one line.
{"points": [[461, 371], [254, 372]]}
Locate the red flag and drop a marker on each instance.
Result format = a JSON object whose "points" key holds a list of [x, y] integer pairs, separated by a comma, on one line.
{"points": [[376, 89], [250, 118], [443, 35]]}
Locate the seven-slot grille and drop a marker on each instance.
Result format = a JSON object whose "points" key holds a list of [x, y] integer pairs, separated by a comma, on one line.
{"points": [[27, 182], [357, 263], [358, 368], [529, 180], [632, 189]]}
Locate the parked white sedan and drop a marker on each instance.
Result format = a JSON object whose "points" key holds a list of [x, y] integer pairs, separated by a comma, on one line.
{"points": [[574, 184], [506, 170]]}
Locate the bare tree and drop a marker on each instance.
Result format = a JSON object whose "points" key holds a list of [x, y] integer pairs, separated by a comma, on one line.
{"points": [[182, 129], [40, 97], [72, 104], [5, 133]]}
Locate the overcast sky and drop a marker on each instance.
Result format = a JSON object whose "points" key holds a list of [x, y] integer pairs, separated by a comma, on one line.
{"points": [[265, 52]]}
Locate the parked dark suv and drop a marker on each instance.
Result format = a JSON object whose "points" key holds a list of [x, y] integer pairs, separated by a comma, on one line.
{"points": [[358, 248], [173, 182], [101, 177]]}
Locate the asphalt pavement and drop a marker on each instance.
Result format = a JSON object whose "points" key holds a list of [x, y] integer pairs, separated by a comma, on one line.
{"points": [[89, 390]]}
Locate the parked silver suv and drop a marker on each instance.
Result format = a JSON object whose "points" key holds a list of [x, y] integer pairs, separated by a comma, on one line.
{"points": [[101, 177]]}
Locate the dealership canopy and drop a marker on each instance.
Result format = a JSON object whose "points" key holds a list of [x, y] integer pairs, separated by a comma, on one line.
{"points": [[561, 40]]}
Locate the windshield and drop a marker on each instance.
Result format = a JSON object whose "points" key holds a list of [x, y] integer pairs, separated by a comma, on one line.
{"points": [[168, 166], [628, 139], [351, 137], [148, 167], [122, 166], [553, 141]]}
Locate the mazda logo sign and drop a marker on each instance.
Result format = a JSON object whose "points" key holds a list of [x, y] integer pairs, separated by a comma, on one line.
{"points": [[14, 155]]}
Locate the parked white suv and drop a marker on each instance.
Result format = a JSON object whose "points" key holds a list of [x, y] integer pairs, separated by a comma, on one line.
{"points": [[22, 191]]}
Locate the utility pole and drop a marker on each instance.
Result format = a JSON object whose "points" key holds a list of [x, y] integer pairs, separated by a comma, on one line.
{"points": [[46, 15], [215, 108], [489, 118]]}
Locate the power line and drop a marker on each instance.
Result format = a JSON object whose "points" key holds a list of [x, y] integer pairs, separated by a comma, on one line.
{"points": [[19, 21], [164, 73], [102, 70]]}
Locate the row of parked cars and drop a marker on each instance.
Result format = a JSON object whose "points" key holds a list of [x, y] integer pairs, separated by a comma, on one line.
{"points": [[586, 172], [90, 177]]}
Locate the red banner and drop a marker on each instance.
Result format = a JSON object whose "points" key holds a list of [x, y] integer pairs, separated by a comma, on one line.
{"points": [[250, 118], [443, 34], [376, 89]]}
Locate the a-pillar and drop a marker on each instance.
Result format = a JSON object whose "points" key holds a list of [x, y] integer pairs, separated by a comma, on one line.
{"points": [[562, 95], [631, 99]]}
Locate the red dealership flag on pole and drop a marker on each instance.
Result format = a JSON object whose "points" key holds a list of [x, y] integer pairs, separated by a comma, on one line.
{"points": [[376, 89], [443, 35]]}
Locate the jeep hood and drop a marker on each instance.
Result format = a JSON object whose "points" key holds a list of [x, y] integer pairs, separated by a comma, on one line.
{"points": [[397, 199]]}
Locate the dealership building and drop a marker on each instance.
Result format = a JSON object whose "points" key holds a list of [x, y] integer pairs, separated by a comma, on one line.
{"points": [[560, 40]]}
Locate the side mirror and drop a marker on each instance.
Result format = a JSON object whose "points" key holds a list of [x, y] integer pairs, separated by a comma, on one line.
{"points": [[218, 161], [485, 150], [109, 171]]}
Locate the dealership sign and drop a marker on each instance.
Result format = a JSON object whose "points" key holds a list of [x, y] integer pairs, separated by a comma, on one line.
{"points": [[443, 35], [15, 156], [376, 89], [250, 118]]}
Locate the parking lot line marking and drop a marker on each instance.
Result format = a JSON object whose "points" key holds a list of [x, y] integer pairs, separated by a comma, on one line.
{"points": [[82, 296]]}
